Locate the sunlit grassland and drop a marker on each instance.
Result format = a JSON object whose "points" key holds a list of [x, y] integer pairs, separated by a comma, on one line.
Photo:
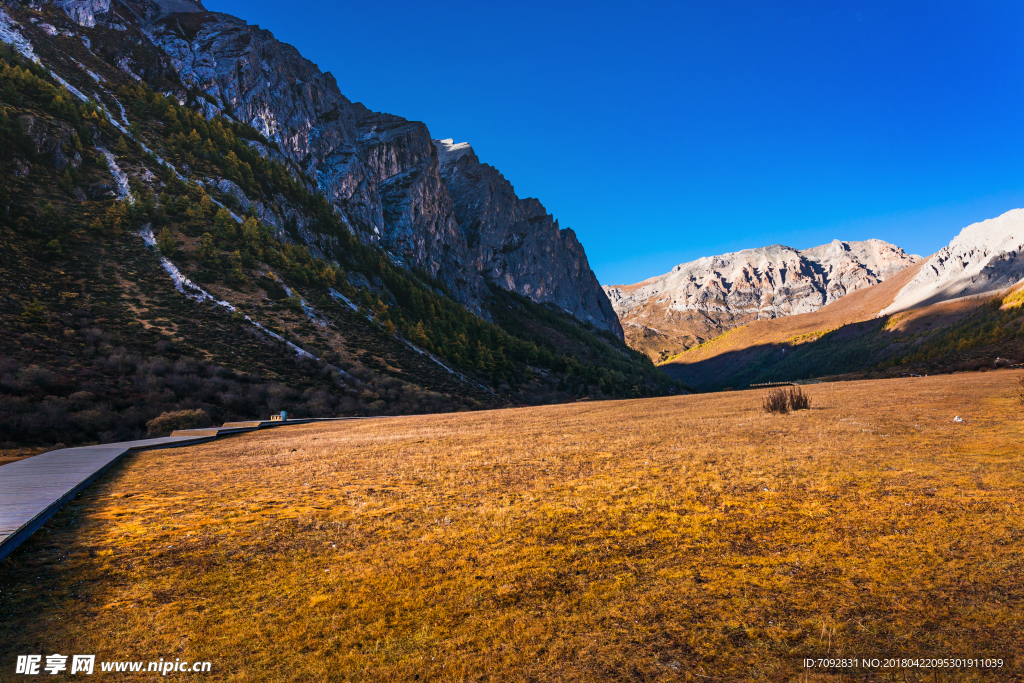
{"points": [[666, 539]]}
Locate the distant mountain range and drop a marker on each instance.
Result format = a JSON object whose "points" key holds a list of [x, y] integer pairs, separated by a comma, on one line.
{"points": [[960, 309], [699, 300]]}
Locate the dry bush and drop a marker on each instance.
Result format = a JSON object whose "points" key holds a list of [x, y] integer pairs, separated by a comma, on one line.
{"points": [[1020, 390], [798, 399], [782, 401], [776, 401], [179, 419]]}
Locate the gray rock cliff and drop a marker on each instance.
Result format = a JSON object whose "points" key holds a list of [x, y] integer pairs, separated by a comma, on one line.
{"points": [[379, 170], [515, 242], [447, 214]]}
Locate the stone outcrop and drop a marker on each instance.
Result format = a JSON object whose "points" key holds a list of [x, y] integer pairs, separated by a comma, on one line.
{"points": [[984, 258], [516, 244], [52, 142], [83, 12], [151, 10], [696, 301]]}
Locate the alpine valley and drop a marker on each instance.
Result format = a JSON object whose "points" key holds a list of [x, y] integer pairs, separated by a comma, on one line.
{"points": [[199, 226], [846, 310], [696, 301]]}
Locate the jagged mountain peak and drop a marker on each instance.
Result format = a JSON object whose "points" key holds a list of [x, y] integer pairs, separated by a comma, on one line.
{"points": [[700, 299], [516, 243], [449, 151]]}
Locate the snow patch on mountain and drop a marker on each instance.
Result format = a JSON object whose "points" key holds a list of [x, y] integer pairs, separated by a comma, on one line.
{"points": [[123, 190]]}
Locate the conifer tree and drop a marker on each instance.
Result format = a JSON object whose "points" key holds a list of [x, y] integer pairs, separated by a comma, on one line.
{"points": [[166, 243], [115, 220], [420, 334], [224, 225], [207, 249]]}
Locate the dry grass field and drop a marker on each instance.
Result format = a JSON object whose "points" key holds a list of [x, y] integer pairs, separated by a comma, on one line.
{"points": [[12, 454], [688, 538]]}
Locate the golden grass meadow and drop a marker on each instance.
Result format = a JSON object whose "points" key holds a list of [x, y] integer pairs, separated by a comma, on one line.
{"points": [[686, 538]]}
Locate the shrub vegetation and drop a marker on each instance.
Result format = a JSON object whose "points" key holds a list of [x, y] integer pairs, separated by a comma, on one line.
{"points": [[178, 419]]}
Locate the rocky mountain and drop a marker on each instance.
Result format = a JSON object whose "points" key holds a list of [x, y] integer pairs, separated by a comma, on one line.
{"points": [[962, 309], [696, 301], [516, 244], [985, 257], [193, 218], [380, 171]]}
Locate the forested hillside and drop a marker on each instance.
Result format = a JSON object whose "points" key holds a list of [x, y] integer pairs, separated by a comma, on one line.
{"points": [[143, 272]]}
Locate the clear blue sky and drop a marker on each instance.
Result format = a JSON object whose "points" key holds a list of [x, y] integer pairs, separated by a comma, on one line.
{"points": [[662, 132]]}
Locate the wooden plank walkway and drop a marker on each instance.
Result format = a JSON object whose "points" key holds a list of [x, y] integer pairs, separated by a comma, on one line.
{"points": [[33, 489]]}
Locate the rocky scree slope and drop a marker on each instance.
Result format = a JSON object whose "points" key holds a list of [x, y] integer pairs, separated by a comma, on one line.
{"points": [[699, 300]]}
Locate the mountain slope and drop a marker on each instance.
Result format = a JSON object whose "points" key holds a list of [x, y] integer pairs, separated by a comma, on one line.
{"points": [[960, 309], [985, 257], [699, 300], [380, 171], [157, 259]]}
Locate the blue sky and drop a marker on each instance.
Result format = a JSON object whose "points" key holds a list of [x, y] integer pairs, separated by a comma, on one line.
{"points": [[666, 131]]}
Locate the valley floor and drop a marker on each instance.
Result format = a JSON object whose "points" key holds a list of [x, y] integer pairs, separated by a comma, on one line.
{"points": [[683, 538]]}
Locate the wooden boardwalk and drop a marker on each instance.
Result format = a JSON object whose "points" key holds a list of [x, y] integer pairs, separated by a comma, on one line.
{"points": [[33, 489]]}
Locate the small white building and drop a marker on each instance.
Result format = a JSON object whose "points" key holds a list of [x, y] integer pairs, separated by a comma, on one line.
{"points": [[282, 417]]}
